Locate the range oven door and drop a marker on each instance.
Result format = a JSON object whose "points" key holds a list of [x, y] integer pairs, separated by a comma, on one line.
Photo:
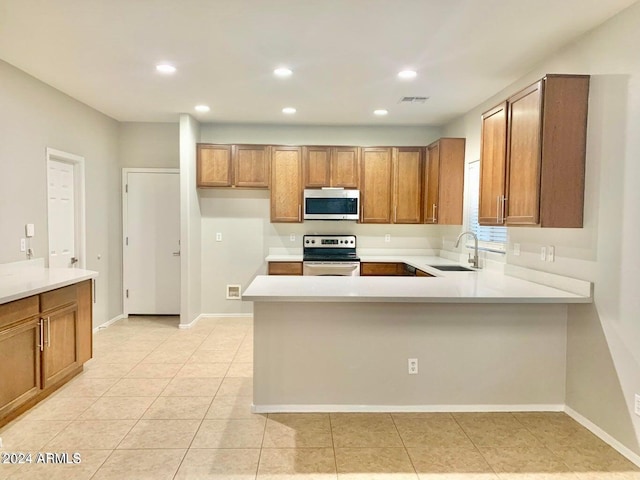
{"points": [[335, 269]]}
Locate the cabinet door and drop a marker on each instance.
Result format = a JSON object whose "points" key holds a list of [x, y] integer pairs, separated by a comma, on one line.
{"points": [[381, 269], [285, 268], [286, 185], [375, 193], [61, 350], [213, 166], [251, 165], [344, 167], [493, 164], [450, 181], [316, 166], [431, 183], [20, 361], [524, 156], [407, 185]]}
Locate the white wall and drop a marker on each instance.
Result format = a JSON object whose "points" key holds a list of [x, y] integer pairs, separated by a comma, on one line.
{"points": [[34, 116], [603, 355], [242, 216], [149, 145]]}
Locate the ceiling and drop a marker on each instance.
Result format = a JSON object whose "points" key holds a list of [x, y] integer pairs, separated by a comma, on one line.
{"points": [[345, 54]]}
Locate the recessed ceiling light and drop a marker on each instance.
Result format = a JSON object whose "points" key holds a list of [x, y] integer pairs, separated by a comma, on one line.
{"points": [[407, 74], [202, 108], [380, 112], [165, 68], [282, 72], [289, 110]]}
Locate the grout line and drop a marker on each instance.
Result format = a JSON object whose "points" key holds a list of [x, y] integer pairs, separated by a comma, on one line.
{"points": [[393, 420], [333, 445]]}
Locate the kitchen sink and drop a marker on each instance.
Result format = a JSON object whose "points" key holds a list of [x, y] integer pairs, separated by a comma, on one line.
{"points": [[452, 268]]}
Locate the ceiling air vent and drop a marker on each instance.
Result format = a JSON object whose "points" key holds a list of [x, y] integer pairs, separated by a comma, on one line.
{"points": [[413, 99]]}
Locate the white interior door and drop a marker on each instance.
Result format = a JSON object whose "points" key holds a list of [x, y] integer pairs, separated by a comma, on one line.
{"points": [[62, 214], [152, 242]]}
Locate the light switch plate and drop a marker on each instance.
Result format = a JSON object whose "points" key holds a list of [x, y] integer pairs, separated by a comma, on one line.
{"points": [[292, 237], [30, 230], [23, 244], [551, 254], [543, 253], [218, 237], [387, 238]]}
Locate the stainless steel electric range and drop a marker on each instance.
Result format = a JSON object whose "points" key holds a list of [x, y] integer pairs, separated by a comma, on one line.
{"points": [[333, 255]]}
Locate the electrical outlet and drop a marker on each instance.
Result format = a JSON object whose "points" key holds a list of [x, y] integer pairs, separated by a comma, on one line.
{"points": [[543, 253], [218, 237], [412, 366], [636, 408], [23, 244], [292, 237], [516, 249], [551, 254], [387, 238]]}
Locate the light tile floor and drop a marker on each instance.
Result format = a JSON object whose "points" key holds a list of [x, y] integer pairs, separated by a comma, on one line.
{"points": [[157, 403]]}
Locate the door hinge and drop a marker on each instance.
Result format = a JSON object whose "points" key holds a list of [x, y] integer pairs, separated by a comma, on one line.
{"points": [[127, 292], [126, 188], [127, 241]]}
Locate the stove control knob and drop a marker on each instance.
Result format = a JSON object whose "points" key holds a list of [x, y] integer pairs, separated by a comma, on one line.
{"points": [[306, 241]]}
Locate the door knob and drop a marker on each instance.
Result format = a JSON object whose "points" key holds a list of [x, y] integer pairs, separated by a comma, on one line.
{"points": [[74, 260], [176, 254]]}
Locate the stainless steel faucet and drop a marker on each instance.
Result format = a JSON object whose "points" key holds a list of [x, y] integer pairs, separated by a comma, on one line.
{"points": [[474, 262]]}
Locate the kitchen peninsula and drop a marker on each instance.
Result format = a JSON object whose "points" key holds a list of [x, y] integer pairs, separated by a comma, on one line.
{"points": [[483, 340]]}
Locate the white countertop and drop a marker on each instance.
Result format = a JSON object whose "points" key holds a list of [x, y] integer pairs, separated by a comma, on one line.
{"points": [[482, 286], [17, 283]]}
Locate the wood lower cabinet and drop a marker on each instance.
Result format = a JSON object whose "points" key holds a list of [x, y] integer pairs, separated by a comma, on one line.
{"points": [[444, 182], [285, 268], [376, 186], [330, 167], [390, 269], [43, 343], [543, 159], [286, 185]]}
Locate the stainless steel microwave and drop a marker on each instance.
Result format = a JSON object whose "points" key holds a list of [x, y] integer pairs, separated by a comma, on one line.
{"points": [[331, 204]]}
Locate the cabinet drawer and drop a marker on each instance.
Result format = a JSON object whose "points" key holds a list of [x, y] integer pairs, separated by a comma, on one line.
{"points": [[285, 268], [58, 298], [13, 312], [381, 269]]}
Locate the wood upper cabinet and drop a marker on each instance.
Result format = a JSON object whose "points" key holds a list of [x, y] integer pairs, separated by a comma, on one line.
{"points": [[330, 167], [233, 166], [444, 182], [286, 185], [251, 166], [493, 164], [214, 167], [376, 185], [545, 155], [407, 185]]}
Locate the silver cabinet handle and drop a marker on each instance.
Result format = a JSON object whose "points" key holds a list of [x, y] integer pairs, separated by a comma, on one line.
{"points": [[498, 209], [299, 212], [41, 325], [504, 202], [433, 212], [48, 331], [395, 213]]}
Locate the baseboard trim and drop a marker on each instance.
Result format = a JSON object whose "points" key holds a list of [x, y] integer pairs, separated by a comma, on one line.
{"points": [[108, 323], [333, 408], [205, 316], [604, 436]]}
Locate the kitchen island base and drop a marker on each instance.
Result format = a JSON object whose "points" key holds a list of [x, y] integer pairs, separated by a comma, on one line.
{"points": [[349, 357]]}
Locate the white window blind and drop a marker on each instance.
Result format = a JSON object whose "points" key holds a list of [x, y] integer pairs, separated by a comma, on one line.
{"points": [[489, 238]]}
